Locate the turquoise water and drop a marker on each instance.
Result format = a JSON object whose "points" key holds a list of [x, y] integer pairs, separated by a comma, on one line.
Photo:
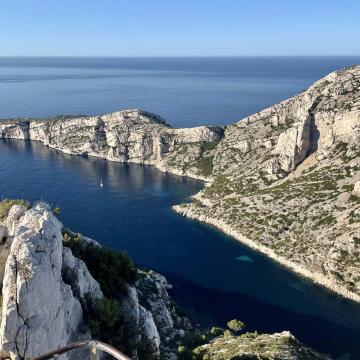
{"points": [[215, 278]]}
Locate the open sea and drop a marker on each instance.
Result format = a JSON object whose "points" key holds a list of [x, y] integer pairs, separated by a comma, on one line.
{"points": [[215, 278]]}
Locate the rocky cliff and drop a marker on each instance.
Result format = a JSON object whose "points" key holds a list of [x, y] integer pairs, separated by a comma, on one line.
{"points": [[285, 181], [46, 292], [126, 136]]}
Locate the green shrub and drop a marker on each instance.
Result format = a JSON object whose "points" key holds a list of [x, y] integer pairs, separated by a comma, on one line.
{"points": [[216, 331], [56, 211], [6, 205], [205, 165], [112, 269], [104, 317], [236, 325], [147, 351]]}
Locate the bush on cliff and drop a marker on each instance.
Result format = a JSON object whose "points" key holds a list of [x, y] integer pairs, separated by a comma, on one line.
{"points": [[236, 325], [6, 204], [112, 269], [104, 318]]}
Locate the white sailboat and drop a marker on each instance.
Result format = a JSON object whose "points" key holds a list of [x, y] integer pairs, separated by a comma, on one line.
{"points": [[101, 183]]}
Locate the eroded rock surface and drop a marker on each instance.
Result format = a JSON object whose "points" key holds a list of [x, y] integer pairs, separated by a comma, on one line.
{"points": [[39, 311], [45, 288], [125, 136]]}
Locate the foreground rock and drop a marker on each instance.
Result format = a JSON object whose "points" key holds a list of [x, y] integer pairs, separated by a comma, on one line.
{"points": [[251, 346], [39, 311], [45, 288]]}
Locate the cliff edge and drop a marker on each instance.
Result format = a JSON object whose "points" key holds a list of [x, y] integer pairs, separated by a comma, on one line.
{"points": [[50, 297]]}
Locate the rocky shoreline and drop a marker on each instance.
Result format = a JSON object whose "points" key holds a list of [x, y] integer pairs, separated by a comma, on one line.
{"points": [[128, 136], [228, 230]]}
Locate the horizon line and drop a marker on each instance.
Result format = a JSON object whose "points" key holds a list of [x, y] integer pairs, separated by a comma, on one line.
{"points": [[170, 56]]}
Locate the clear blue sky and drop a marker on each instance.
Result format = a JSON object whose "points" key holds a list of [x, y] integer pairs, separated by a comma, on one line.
{"points": [[179, 27]]}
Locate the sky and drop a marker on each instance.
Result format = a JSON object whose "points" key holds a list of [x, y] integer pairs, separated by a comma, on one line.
{"points": [[179, 27]]}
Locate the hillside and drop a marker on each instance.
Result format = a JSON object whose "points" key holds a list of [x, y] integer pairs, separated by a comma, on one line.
{"points": [[286, 181]]}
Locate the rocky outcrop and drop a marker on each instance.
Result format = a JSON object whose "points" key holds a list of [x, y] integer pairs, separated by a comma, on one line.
{"points": [[253, 346], [39, 311], [75, 273], [126, 136], [45, 288]]}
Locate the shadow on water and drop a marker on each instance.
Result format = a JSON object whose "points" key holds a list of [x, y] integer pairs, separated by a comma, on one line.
{"points": [[208, 308], [215, 277]]}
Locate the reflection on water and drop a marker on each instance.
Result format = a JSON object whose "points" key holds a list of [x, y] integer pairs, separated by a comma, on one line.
{"points": [[133, 212]]}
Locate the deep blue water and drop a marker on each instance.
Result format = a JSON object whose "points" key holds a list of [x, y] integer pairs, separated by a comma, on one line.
{"points": [[215, 278], [184, 91]]}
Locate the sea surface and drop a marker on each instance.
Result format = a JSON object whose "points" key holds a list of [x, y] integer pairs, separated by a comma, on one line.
{"points": [[184, 91], [215, 278]]}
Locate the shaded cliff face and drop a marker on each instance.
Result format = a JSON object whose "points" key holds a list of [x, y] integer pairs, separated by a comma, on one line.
{"points": [[125, 136], [286, 181]]}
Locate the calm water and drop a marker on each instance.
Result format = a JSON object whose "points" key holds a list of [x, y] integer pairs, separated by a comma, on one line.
{"points": [[215, 278], [184, 91]]}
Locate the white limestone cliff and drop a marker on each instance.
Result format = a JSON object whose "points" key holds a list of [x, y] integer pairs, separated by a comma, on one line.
{"points": [[39, 311], [285, 182], [125, 136], [45, 287]]}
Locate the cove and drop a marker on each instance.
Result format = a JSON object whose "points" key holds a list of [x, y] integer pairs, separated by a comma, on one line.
{"points": [[132, 212]]}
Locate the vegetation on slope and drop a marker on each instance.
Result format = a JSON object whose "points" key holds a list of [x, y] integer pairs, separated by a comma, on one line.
{"points": [[114, 270], [6, 204]]}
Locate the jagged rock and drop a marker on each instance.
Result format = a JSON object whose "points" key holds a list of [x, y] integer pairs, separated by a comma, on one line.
{"points": [[77, 275], [125, 136], [148, 329], [14, 215], [293, 145], [138, 320], [153, 294], [39, 312], [44, 283]]}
